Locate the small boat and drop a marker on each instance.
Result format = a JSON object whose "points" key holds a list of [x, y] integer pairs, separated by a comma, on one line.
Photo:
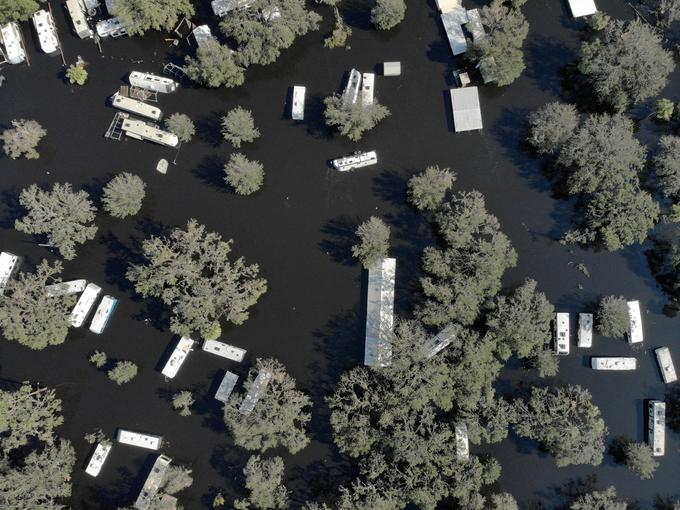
{"points": [[356, 160], [47, 31], [10, 35]]}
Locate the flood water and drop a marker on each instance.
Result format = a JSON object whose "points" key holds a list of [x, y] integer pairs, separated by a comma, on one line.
{"points": [[298, 228]]}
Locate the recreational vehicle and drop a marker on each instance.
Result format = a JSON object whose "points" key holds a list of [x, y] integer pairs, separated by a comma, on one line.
{"points": [[613, 363], [178, 356], [84, 304], [226, 387], [152, 82], [356, 160], [256, 390], [153, 483], [656, 426], [562, 334], [635, 332], [141, 130], [135, 106], [585, 330], [76, 9], [367, 88], [8, 264], [98, 457], [298, 108], [112, 27], [663, 358], [66, 288], [46, 30], [103, 314], [14, 46], [148, 441], [224, 350]]}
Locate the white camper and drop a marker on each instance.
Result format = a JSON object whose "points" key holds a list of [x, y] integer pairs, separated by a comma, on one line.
{"points": [[94, 466], [46, 30], [148, 441], [178, 357], [562, 334], [613, 363], [298, 109], [77, 10], [84, 304], [656, 427], [356, 160], [635, 333], [585, 330], [103, 314], [152, 82], [135, 106], [663, 358], [224, 350], [10, 34], [8, 264], [141, 130]]}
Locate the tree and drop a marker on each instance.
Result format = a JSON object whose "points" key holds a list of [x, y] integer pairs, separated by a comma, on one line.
{"points": [[503, 501], [506, 30], [551, 127], [123, 195], [640, 459], [667, 166], [612, 317], [663, 109], [190, 271], [29, 315], [565, 421], [520, 323], [340, 34], [214, 66], [244, 175], [182, 126], [22, 138], [374, 241], [387, 14], [353, 119], [467, 269], [17, 10], [264, 480], [280, 417], [598, 500], [76, 73], [123, 372], [182, 401], [138, 16], [98, 359], [598, 21], [62, 215], [626, 64], [238, 126], [426, 190], [176, 479]]}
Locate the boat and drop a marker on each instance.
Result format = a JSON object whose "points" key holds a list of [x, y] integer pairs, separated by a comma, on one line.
{"points": [[259, 385], [98, 457], [152, 82], [351, 92], [663, 358], [462, 443], [585, 330], [153, 483], [8, 264], [367, 88], [111, 27], [148, 441], [135, 106], [656, 427], [47, 31], [66, 288], [141, 130], [77, 11], [635, 332], [10, 34], [356, 160], [298, 109], [562, 334], [613, 363], [84, 304], [224, 350], [103, 314], [178, 356], [226, 387]]}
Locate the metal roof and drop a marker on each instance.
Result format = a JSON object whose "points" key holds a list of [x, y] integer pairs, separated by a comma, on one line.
{"points": [[467, 114]]}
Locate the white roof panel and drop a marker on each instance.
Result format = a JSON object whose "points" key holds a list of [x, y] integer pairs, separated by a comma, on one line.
{"points": [[467, 115], [580, 8]]}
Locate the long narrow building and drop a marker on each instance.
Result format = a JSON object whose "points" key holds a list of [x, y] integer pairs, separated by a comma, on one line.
{"points": [[635, 332], [8, 264], [656, 427], [256, 390], [178, 356], [153, 482], [380, 313]]}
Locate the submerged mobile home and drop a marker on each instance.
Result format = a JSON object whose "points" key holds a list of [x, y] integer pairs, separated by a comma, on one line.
{"points": [[84, 304], [585, 330], [256, 390], [153, 482], [135, 106], [297, 111], [77, 10], [380, 313], [178, 356], [666, 367], [226, 387], [103, 314], [656, 426], [224, 350], [635, 332]]}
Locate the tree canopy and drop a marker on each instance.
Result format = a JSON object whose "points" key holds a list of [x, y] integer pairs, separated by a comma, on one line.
{"points": [[353, 119], [214, 66], [238, 126], [264, 480], [426, 190], [667, 166], [22, 138], [387, 14], [182, 126], [17, 10], [612, 317], [123, 195], [374, 241], [551, 127], [138, 16], [244, 175], [598, 500]]}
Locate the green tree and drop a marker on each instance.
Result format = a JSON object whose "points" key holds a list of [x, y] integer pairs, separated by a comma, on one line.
{"points": [[612, 317], [280, 417], [353, 120], [640, 459], [264, 480], [244, 175], [565, 421], [123, 195], [182, 401], [138, 16], [598, 21], [214, 66], [62, 215], [667, 166], [426, 190], [22, 138], [123, 372], [182, 126], [340, 34], [598, 500], [545, 362], [17, 10], [387, 14], [176, 479], [98, 359], [625, 50], [663, 109], [468, 268], [374, 241], [29, 315], [238, 126], [190, 271], [551, 127], [76, 73], [503, 501]]}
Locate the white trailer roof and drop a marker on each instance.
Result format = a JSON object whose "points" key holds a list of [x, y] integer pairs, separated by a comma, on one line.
{"points": [[462, 444], [380, 312], [47, 32], [613, 363], [98, 457], [447, 5], [585, 329], [76, 9], [635, 332], [103, 314], [148, 441], [580, 8], [84, 304], [656, 426], [467, 114], [177, 357], [259, 386], [663, 357], [11, 38], [135, 106], [8, 263], [66, 288], [297, 111], [224, 350], [143, 131]]}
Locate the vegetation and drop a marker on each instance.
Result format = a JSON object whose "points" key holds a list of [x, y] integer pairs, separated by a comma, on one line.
{"points": [[280, 417], [182, 126], [552, 126], [264, 480], [142, 15], [123, 372], [214, 66], [640, 459], [667, 166], [62, 215], [190, 271], [17, 10], [598, 21], [353, 120], [565, 421], [22, 138], [30, 316], [123, 195], [76, 73], [374, 241], [598, 500], [182, 401], [612, 317], [176, 480], [426, 190], [625, 50], [244, 175], [340, 34], [663, 109], [98, 359], [238, 127], [387, 14], [506, 30]]}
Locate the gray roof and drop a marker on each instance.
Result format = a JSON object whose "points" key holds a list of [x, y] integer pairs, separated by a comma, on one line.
{"points": [[467, 114], [453, 26], [380, 312], [226, 387], [259, 385]]}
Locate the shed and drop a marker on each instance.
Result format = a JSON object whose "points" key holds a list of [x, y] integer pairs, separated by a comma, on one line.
{"points": [[392, 69], [581, 8], [467, 115]]}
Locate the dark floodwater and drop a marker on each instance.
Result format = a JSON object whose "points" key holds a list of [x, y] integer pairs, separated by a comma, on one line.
{"points": [[297, 228]]}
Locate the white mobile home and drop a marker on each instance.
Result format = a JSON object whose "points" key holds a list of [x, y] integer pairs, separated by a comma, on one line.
{"points": [[256, 390], [103, 314], [297, 111], [351, 92], [356, 160], [453, 22], [613, 363], [224, 350], [141, 130], [135, 106], [178, 356], [153, 482], [66, 288], [148, 441], [663, 358], [10, 34], [226, 387], [562, 333], [581, 8], [380, 313], [367, 88], [94, 466], [8, 264], [462, 444], [84, 304], [46, 30], [635, 333], [112, 27], [467, 114], [76, 9], [585, 330], [656, 426], [152, 82]]}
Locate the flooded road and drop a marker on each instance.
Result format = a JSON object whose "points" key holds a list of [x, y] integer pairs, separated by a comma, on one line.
{"points": [[298, 228]]}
